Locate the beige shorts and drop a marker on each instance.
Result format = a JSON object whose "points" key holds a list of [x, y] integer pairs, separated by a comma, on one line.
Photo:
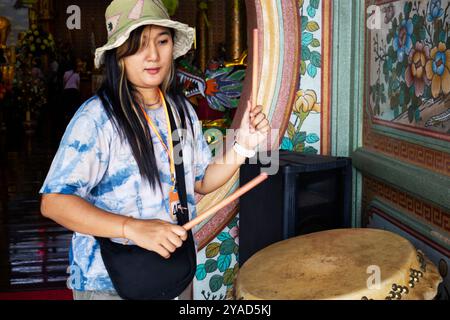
{"points": [[187, 294]]}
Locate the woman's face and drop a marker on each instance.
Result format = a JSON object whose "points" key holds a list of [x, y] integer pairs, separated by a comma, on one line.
{"points": [[150, 65]]}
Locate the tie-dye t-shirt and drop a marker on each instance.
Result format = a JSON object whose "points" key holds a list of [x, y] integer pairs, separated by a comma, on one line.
{"points": [[93, 163]]}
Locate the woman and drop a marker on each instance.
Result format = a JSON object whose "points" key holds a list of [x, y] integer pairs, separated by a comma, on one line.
{"points": [[70, 97], [112, 176]]}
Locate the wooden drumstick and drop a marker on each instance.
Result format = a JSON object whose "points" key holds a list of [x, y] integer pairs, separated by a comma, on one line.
{"points": [[255, 68], [222, 204]]}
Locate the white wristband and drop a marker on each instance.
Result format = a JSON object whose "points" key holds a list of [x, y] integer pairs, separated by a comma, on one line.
{"points": [[240, 150]]}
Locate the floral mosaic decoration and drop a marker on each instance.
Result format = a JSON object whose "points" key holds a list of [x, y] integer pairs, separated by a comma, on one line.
{"points": [[221, 265], [306, 103], [413, 60], [219, 262]]}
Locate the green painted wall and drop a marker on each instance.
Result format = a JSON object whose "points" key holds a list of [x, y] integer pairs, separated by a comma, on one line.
{"points": [[349, 27], [347, 87]]}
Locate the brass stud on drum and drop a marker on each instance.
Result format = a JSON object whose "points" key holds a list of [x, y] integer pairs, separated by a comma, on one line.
{"points": [[422, 262]]}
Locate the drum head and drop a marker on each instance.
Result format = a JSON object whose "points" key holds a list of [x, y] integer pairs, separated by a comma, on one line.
{"points": [[334, 264]]}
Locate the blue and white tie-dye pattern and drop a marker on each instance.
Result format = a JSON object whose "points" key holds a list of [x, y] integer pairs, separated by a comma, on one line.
{"points": [[93, 162]]}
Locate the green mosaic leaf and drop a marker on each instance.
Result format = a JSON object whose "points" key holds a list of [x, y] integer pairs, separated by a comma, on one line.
{"points": [[223, 263], [391, 53], [310, 150], [201, 273], [307, 38], [316, 59], [394, 101], [315, 43], [303, 67], [389, 37], [407, 9], [312, 70], [212, 249], [224, 236], [314, 4], [228, 277], [291, 130], [227, 247], [306, 53], [394, 24], [215, 283], [411, 114], [299, 147], [233, 223], [304, 20], [299, 137], [311, 11], [210, 265], [312, 26], [238, 75], [442, 37]]}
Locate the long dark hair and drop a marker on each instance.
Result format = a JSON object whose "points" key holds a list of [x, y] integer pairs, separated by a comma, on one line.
{"points": [[121, 102]]}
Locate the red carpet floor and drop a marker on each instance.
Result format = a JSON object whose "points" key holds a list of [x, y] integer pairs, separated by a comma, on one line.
{"points": [[38, 295]]}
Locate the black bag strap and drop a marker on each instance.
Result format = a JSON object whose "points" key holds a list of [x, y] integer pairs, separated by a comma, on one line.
{"points": [[183, 214]]}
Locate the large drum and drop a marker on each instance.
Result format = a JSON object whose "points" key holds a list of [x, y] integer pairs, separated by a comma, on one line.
{"points": [[339, 264]]}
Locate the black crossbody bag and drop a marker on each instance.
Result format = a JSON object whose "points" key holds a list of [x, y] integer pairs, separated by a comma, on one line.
{"points": [[140, 274]]}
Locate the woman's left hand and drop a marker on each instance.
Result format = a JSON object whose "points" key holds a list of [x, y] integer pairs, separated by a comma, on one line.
{"points": [[254, 128]]}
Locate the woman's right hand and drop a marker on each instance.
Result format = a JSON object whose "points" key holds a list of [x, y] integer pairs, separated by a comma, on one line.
{"points": [[155, 235]]}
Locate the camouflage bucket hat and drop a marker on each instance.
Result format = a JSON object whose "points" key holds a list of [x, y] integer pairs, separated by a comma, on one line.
{"points": [[124, 16]]}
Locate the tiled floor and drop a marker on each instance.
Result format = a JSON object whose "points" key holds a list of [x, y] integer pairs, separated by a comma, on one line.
{"points": [[33, 249]]}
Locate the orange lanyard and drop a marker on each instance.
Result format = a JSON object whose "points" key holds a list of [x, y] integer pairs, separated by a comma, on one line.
{"points": [[168, 149]]}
